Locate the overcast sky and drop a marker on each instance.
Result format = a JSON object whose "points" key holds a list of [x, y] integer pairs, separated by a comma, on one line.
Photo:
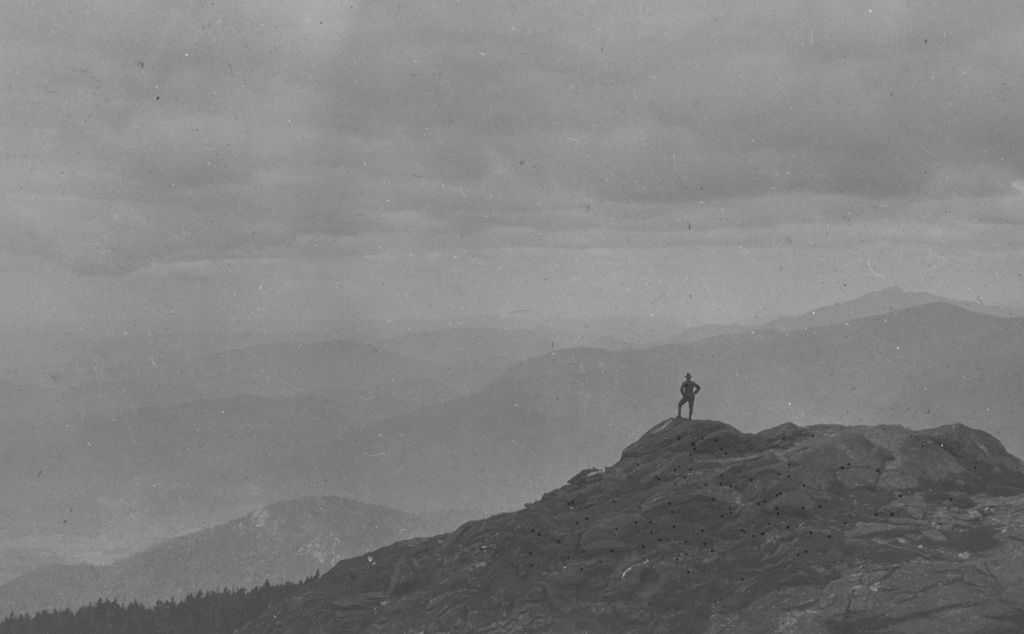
{"points": [[261, 163]]}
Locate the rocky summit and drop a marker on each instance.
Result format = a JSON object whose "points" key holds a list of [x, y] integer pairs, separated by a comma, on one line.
{"points": [[702, 528]]}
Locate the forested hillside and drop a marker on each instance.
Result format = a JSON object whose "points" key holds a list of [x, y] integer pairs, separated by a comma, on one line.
{"points": [[200, 613]]}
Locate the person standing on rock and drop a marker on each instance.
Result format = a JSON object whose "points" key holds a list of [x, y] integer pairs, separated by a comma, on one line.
{"points": [[689, 390]]}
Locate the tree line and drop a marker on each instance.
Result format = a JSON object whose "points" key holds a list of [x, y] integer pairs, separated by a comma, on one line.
{"points": [[217, 612]]}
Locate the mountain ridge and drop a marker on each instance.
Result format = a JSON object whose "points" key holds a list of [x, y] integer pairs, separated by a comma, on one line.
{"points": [[924, 366], [872, 304], [880, 302], [700, 527], [283, 541], [244, 449]]}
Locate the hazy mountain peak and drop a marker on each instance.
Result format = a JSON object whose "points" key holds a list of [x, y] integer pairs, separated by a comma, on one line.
{"points": [[878, 302], [892, 292], [881, 302], [701, 527], [285, 540]]}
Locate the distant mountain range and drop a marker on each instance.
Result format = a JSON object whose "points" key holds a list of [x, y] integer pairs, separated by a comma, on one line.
{"points": [[125, 448], [878, 302], [107, 450], [882, 302], [286, 541], [483, 351], [550, 416]]}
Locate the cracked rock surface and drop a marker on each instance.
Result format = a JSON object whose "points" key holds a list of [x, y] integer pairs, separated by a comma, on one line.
{"points": [[702, 528]]}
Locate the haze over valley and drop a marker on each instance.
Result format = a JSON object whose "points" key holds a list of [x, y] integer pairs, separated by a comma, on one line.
{"points": [[466, 420]]}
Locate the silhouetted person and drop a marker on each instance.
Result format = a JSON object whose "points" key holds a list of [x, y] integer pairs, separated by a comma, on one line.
{"points": [[689, 390]]}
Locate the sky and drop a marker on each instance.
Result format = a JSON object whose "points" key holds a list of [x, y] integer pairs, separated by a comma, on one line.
{"points": [[265, 165]]}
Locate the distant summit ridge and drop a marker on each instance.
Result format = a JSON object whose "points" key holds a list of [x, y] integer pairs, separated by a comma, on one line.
{"points": [[880, 302], [876, 303], [703, 528]]}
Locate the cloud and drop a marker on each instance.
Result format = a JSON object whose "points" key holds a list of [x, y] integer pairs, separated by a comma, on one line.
{"points": [[157, 131], [191, 151], [685, 102]]}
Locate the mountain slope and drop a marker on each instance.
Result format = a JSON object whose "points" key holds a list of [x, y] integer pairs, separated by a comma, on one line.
{"points": [[154, 440], [702, 528], [366, 378], [551, 416], [472, 346], [282, 541], [875, 303], [879, 302], [503, 445]]}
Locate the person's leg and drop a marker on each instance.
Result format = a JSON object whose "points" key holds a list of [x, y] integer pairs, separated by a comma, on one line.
{"points": [[679, 414], [691, 408]]}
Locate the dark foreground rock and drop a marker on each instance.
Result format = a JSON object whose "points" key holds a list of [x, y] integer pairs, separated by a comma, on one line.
{"points": [[702, 528]]}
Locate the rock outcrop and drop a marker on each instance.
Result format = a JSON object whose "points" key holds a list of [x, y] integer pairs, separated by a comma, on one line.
{"points": [[702, 528]]}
